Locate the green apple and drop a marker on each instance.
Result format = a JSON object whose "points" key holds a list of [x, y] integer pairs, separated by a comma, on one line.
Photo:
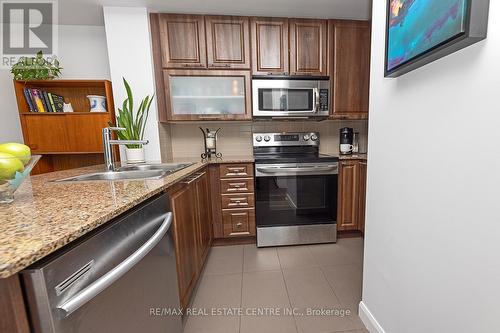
{"points": [[19, 150], [9, 165]]}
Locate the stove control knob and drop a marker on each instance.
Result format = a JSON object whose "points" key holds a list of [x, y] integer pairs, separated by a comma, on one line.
{"points": [[258, 138], [267, 138], [307, 137], [314, 137]]}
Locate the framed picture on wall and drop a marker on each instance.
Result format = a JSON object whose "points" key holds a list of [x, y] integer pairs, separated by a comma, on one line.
{"points": [[421, 31]]}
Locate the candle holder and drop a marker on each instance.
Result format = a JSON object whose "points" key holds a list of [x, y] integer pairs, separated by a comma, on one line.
{"points": [[210, 142]]}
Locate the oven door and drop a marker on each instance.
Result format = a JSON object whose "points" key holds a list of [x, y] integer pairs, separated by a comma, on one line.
{"points": [[289, 98], [296, 194]]}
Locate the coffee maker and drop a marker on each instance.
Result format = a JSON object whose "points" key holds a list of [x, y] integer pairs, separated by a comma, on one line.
{"points": [[346, 139]]}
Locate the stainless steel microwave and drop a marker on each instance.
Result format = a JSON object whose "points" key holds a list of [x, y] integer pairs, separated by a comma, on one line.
{"points": [[291, 97]]}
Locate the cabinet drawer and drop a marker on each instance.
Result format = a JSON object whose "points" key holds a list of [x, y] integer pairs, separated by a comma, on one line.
{"points": [[230, 186], [238, 222], [236, 170], [237, 201]]}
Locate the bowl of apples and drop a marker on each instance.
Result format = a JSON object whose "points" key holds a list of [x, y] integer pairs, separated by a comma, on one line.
{"points": [[16, 163]]}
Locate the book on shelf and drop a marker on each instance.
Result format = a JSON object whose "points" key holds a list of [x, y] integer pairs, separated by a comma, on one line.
{"points": [[29, 100], [46, 102], [38, 100], [58, 103], [43, 101]]}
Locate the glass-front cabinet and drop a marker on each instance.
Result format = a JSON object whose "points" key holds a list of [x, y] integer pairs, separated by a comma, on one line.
{"points": [[208, 95]]}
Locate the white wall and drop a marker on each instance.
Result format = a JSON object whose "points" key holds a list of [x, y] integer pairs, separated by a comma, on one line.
{"points": [[83, 55], [130, 56], [433, 219]]}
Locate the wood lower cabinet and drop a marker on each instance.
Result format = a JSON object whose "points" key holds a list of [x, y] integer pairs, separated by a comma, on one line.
{"points": [[350, 68], [308, 47], [233, 213], [182, 39], [185, 231], [228, 42], [190, 204], [269, 46], [351, 195], [204, 217]]}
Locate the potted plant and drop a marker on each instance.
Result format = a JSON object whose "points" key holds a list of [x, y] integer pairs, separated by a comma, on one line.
{"points": [[36, 68], [134, 124]]}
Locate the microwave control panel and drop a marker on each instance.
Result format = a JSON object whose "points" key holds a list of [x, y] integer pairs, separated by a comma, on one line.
{"points": [[323, 99]]}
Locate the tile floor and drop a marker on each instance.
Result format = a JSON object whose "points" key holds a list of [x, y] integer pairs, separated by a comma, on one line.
{"points": [[244, 277]]}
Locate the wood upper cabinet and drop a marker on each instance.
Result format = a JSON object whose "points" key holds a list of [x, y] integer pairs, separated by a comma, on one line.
{"points": [[207, 95], [269, 45], [182, 39], [350, 69], [185, 240], [228, 42], [308, 43], [204, 217], [351, 195]]}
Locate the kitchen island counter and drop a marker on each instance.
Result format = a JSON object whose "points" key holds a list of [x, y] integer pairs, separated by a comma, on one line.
{"points": [[46, 216]]}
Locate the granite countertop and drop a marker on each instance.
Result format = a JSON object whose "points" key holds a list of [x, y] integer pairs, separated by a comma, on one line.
{"points": [[45, 216], [353, 157]]}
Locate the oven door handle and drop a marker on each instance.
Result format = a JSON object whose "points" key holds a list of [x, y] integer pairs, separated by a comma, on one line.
{"points": [[297, 169]]}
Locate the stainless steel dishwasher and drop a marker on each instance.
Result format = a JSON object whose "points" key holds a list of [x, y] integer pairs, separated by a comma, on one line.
{"points": [[119, 278]]}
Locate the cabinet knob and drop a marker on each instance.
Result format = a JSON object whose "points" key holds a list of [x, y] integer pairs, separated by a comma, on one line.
{"points": [[239, 225]]}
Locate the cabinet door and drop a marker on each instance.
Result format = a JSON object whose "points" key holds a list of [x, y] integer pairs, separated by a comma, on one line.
{"points": [[85, 132], [42, 140], [185, 240], [269, 46], [228, 42], [362, 196], [208, 95], [183, 41], [308, 39], [204, 222], [350, 69], [347, 196]]}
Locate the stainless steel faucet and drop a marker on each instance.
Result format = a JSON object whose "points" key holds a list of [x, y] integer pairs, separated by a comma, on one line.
{"points": [[107, 142]]}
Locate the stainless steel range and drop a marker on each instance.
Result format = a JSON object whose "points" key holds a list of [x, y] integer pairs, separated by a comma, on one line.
{"points": [[296, 190]]}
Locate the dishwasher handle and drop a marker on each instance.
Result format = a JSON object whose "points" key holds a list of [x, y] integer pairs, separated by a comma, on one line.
{"points": [[84, 296]]}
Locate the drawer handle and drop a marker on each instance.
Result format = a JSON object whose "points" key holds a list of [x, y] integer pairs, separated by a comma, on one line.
{"points": [[236, 169], [220, 65], [193, 65], [239, 225]]}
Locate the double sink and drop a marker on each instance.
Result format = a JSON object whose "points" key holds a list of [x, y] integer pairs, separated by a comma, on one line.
{"points": [[131, 172]]}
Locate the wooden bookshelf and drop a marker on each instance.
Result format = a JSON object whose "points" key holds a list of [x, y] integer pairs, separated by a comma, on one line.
{"points": [[66, 140]]}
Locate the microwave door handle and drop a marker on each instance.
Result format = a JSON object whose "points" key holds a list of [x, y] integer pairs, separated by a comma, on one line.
{"points": [[316, 99]]}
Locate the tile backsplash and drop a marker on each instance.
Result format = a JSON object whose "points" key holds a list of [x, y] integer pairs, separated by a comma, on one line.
{"points": [[184, 140]]}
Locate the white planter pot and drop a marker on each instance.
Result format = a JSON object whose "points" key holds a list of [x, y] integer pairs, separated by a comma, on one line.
{"points": [[135, 155]]}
